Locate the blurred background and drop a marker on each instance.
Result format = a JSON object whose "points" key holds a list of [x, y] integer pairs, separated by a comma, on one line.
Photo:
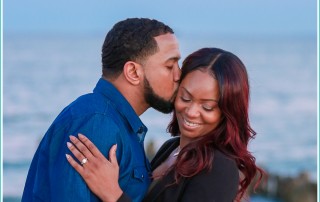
{"points": [[51, 55]]}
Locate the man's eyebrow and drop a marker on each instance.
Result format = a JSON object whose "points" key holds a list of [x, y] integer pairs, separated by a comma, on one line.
{"points": [[174, 58]]}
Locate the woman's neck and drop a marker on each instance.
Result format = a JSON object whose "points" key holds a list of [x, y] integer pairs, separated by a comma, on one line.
{"points": [[163, 168]]}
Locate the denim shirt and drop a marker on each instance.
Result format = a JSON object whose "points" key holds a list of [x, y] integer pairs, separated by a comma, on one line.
{"points": [[106, 118]]}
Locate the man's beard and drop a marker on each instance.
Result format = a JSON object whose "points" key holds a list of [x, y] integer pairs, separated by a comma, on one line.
{"points": [[155, 101]]}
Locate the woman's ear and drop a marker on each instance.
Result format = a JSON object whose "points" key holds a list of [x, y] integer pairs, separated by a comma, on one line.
{"points": [[132, 72]]}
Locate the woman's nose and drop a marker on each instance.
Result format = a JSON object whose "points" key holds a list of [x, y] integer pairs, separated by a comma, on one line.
{"points": [[192, 110]]}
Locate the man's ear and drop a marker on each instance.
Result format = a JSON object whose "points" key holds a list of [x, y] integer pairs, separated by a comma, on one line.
{"points": [[132, 72]]}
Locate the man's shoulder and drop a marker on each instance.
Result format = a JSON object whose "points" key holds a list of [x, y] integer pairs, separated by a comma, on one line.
{"points": [[88, 107], [92, 103]]}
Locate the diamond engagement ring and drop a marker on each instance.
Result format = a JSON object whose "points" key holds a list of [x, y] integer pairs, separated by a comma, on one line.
{"points": [[84, 161]]}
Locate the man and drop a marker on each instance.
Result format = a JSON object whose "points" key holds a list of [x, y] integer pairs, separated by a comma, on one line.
{"points": [[140, 70]]}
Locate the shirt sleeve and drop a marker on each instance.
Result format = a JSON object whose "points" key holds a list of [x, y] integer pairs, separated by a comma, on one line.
{"points": [[66, 183], [220, 184]]}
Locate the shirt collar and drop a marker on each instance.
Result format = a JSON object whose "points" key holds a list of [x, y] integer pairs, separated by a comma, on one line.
{"points": [[122, 105]]}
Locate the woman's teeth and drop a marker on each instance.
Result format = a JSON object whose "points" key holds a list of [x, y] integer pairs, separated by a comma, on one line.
{"points": [[190, 123]]}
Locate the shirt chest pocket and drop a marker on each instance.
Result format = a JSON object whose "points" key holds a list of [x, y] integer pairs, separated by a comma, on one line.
{"points": [[139, 174], [138, 183]]}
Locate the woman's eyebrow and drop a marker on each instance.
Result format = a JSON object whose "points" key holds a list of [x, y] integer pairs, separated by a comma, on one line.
{"points": [[207, 99]]}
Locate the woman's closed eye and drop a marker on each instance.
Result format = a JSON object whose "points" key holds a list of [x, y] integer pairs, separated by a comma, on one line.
{"points": [[185, 99], [207, 108]]}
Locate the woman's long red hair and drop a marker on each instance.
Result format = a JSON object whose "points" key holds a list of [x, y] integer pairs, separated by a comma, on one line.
{"points": [[234, 132]]}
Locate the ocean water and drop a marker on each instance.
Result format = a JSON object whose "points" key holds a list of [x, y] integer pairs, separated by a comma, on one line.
{"points": [[43, 74]]}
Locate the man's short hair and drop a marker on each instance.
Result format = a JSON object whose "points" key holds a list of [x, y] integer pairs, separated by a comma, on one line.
{"points": [[130, 40]]}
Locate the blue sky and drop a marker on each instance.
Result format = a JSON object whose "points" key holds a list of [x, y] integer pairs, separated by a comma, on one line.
{"points": [[269, 17]]}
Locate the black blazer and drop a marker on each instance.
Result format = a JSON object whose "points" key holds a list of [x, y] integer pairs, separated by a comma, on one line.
{"points": [[220, 184]]}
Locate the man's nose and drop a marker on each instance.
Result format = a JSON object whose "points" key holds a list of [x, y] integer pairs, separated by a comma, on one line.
{"points": [[177, 74]]}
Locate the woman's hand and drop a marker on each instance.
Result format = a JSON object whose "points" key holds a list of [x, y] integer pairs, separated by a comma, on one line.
{"points": [[100, 174]]}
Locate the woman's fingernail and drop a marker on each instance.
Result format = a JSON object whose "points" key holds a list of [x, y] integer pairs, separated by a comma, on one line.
{"points": [[68, 156], [69, 144], [81, 136], [72, 138]]}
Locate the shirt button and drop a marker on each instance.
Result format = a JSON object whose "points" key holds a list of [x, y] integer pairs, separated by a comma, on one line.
{"points": [[140, 130], [142, 176]]}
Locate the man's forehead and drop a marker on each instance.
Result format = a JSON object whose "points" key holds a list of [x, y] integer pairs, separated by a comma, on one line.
{"points": [[167, 39], [169, 45]]}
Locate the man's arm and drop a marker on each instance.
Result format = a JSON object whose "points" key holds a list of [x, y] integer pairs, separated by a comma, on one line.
{"points": [[66, 183], [101, 175]]}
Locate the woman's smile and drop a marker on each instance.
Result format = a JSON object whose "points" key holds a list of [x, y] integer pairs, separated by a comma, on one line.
{"points": [[190, 124]]}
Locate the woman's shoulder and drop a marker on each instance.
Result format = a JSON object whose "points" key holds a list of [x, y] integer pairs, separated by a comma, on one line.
{"points": [[222, 162], [220, 183], [220, 156], [223, 167]]}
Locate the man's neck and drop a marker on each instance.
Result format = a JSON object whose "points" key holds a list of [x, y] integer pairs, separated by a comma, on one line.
{"points": [[133, 94]]}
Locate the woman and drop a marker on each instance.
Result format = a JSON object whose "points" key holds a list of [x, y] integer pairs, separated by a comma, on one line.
{"points": [[211, 122]]}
